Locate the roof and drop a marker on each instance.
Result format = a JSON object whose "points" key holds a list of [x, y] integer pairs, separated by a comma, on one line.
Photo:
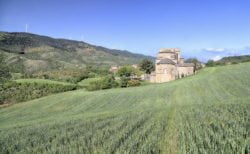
{"points": [[185, 65], [166, 61], [167, 50]]}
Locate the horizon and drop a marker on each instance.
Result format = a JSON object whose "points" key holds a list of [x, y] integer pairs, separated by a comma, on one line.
{"points": [[208, 30]]}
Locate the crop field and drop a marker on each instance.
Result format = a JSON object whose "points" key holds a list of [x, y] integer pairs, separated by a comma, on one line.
{"points": [[204, 113]]}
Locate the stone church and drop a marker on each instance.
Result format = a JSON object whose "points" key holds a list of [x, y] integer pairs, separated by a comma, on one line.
{"points": [[170, 66]]}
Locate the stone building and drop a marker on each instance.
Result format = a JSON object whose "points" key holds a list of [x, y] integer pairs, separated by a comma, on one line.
{"points": [[114, 69], [170, 66]]}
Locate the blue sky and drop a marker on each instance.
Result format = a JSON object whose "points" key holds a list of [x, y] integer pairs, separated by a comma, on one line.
{"points": [[207, 29]]}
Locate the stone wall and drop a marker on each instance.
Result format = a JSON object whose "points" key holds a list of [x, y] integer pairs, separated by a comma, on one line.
{"points": [[185, 71], [152, 78], [165, 73]]}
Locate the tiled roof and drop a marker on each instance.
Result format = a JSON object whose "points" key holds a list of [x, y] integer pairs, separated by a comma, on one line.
{"points": [[185, 65], [166, 61], [167, 50]]}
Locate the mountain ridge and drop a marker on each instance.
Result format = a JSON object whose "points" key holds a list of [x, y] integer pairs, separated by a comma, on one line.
{"points": [[41, 53]]}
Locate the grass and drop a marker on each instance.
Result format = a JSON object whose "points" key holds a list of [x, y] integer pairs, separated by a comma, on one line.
{"points": [[205, 113], [42, 81]]}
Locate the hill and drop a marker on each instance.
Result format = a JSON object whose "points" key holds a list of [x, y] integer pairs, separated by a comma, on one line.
{"points": [[33, 53], [235, 59], [205, 113]]}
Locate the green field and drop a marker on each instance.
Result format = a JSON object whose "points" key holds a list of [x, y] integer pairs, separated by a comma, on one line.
{"points": [[205, 113]]}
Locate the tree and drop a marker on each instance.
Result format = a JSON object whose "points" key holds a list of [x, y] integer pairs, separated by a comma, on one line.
{"points": [[108, 82], [147, 66], [126, 71], [210, 63], [4, 70]]}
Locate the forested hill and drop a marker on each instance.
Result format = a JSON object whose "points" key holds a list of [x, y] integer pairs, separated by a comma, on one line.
{"points": [[31, 53], [235, 59]]}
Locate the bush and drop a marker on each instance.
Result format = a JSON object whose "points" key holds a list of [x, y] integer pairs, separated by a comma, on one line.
{"points": [[133, 83], [124, 82], [92, 75], [94, 85], [235, 62], [126, 71], [210, 63], [13, 92], [104, 83], [108, 82], [72, 76], [4, 70]]}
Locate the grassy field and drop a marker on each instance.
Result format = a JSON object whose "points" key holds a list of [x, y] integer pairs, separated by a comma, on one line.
{"points": [[205, 113]]}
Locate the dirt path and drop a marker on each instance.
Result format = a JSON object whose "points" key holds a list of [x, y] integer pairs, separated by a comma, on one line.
{"points": [[171, 132], [171, 138]]}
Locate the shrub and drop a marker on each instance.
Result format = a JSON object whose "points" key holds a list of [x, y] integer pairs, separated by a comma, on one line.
{"points": [[13, 92], [210, 63], [235, 62], [124, 82], [133, 83], [94, 85], [108, 82], [104, 83], [4, 70], [125, 71], [92, 75]]}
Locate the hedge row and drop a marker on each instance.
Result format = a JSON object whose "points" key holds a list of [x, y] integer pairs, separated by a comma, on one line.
{"points": [[13, 92]]}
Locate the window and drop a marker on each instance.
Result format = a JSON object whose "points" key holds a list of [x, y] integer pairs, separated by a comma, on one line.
{"points": [[165, 71]]}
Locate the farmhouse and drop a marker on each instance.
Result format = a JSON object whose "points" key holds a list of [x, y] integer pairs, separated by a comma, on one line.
{"points": [[170, 66]]}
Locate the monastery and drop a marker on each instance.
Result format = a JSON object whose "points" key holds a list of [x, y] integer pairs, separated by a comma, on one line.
{"points": [[170, 66]]}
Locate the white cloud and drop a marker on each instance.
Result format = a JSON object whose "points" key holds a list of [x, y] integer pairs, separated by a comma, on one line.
{"points": [[216, 58], [215, 49], [218, 53]]}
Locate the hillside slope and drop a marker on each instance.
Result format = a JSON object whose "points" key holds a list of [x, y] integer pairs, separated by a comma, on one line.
{"points": [[205, 113], [31, 53], [235, 59]]}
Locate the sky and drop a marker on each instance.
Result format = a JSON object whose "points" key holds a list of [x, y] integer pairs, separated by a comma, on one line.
{"points": [[206, 29]]}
